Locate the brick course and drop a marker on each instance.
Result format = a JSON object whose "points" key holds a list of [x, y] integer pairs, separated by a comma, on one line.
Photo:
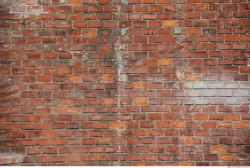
{"points": [[125, 82]]}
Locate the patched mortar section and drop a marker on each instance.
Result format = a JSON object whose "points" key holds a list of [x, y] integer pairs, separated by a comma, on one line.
{"points": [[218, 92]]}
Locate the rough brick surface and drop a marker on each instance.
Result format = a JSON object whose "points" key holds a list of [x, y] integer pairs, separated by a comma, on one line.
{"points": [[125, 82]]}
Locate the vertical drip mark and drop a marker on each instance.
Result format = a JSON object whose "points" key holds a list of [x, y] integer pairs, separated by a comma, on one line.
{"points": [[119, 51], [180, 37], [180, 72]]}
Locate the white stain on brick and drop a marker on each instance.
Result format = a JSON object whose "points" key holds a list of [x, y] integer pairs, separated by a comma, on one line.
{"points": [[7, 158], [218, 92], [38, 11], [124, 2], [180, 75], [62, 1], [23, 8]]}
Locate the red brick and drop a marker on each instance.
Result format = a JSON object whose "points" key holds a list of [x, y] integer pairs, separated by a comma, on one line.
{"points": [[124, 82]]}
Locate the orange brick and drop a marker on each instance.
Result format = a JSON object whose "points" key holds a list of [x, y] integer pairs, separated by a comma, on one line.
{"points": [[225, 125], [106, 78], [74, 79], [138, 85], [186, 164], [117, 125], [192, 140], [165, 62], [245, 69], [74, 1], [232, 117], [178, 124], [226, 157], [109, 101], [201, 116], [193, 77], [218, 149], [169, 23], [140, 164], [140, 101], [89, 32], [241, 125]]}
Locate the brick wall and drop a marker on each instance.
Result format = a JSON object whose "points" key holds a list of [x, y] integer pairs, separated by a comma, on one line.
{"points": [[125, 82]]}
